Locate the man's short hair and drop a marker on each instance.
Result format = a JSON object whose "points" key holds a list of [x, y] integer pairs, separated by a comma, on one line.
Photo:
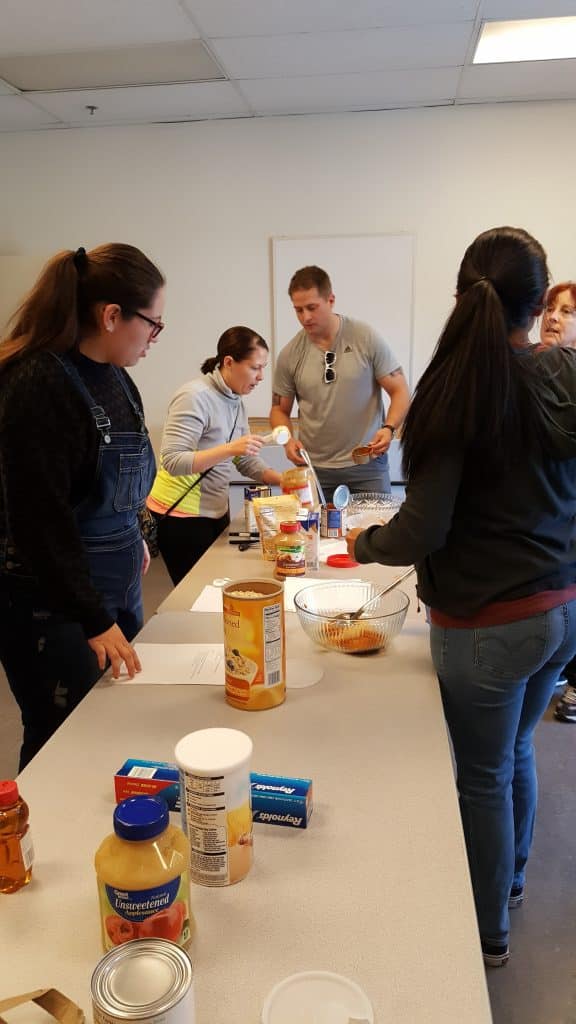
{"points": [[310, 277]]}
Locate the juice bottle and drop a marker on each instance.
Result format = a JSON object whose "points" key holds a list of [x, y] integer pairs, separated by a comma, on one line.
{"points": [[143, 876], [16, 850]]}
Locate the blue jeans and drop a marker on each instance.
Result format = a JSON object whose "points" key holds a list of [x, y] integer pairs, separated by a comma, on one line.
{"points": [[496, 683]]}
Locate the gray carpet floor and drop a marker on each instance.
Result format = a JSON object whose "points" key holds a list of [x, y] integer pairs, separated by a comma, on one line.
{"points": [[538, 986]]}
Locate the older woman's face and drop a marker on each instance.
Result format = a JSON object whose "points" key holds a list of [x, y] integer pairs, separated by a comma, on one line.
{"points": [[559, 321]]}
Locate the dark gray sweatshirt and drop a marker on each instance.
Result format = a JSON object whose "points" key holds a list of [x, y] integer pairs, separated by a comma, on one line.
{"points": [[476, 541]]}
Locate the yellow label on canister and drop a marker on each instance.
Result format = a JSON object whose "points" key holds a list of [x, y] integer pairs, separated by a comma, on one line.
{"points": [[255, 654]]}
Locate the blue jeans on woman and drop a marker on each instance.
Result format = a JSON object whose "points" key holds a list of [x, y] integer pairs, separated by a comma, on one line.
{"points": [[496, 683]]}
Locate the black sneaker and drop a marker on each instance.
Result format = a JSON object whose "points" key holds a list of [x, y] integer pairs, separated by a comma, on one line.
{"points": [[565, 709], [494, 954], [516, 896]]}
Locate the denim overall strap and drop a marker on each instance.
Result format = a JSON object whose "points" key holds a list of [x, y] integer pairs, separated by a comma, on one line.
{"points": [[108, 516]]}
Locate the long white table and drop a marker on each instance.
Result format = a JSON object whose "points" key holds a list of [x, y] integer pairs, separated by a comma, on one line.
{"points": [[377, 887]]}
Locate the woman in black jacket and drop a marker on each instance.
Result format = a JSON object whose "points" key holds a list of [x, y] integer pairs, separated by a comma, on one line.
{"points": [[490, 459]]}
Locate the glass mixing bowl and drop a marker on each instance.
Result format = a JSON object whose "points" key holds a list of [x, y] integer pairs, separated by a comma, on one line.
{"points": [[370, 507], [316, 607]]}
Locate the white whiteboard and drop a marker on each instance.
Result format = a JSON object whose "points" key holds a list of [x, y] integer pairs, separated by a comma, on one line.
{"points": [[371, 277]]}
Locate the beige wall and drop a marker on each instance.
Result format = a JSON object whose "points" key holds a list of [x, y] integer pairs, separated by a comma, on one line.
{"points": [[203, 200]]}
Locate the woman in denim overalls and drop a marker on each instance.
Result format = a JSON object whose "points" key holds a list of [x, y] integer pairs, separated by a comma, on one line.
{"points": [[76, 465]]}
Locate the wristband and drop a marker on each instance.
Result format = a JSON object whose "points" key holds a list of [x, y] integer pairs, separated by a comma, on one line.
{"points": [[390, 428]]}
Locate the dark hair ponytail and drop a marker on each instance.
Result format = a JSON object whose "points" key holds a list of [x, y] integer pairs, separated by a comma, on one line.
{"points": [[237, 342], [476, 392], [60, 307]]}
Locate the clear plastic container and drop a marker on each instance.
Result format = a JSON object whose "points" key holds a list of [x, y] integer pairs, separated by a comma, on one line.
{"points": [[16, 849], [143, 876], [300, 482]]}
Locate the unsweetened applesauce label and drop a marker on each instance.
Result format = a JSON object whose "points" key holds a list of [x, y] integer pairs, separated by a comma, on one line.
{"points": [[159, 912]]}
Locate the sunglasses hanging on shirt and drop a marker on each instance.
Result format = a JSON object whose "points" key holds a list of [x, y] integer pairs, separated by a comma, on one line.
{"points": [[329, 371]]}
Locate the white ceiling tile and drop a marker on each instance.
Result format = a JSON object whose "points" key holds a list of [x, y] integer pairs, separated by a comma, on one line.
{"points": [[375, 91], [504, 10], [274, 17], [43, 26], [531, 80], [331, 53], [130, 65], [17, 114], [144, 104]]}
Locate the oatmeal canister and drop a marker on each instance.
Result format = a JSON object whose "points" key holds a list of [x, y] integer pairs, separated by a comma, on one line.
{"points": [[214, 767], [147, 981], [255, 656]]}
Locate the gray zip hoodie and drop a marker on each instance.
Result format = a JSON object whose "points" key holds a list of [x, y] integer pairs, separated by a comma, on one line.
{"points": [[203, 413]]}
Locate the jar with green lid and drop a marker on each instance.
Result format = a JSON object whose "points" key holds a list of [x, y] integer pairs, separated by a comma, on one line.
{"points": [[290, 551]]}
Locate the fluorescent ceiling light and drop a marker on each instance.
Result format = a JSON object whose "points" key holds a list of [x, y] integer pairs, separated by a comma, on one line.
{"points": [[532, 39]]}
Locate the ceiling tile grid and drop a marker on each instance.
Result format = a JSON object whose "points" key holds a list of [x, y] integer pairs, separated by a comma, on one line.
{"points": [[86, 63]]}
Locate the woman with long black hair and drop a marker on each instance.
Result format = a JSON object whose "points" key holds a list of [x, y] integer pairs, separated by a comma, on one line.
{"points": [[490, 460]]}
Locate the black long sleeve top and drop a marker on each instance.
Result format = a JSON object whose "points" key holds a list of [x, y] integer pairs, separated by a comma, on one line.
{"points": [[475, 539], [48, 459]]}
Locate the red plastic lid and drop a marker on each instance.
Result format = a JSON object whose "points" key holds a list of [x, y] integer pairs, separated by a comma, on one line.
{"points": [[8, 792], [341, 561], [289, 527]]}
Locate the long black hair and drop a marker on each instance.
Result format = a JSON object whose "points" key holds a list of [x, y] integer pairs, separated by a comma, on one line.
{"points": [[238, 342], [477, 392]]}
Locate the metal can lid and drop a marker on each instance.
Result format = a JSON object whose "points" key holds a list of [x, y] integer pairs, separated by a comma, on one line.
{"points": [[140, 979]]}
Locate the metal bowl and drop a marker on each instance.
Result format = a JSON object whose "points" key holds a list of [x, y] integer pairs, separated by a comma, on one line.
{"points": [[317, 606]]}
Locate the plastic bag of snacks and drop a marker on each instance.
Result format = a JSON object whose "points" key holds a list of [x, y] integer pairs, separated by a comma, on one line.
{"points": [[270, 512]]}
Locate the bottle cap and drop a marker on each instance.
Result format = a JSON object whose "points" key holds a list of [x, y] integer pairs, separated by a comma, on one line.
{"points": [[341, 561], [141, 817], [8, 792], [289, 527]]}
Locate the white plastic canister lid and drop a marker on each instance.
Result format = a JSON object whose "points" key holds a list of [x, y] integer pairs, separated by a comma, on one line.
{"points": [[213, 750]]}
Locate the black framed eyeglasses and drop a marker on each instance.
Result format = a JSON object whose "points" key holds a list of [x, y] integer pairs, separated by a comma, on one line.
{"points": [[329, 371], [156, 325]]}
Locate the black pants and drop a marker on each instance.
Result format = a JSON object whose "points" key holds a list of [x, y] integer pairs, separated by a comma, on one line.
{"points": [[184, 539], [47, 661]]}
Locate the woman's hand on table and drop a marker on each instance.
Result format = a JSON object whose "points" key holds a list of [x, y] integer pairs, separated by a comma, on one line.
{"points": [[113, 646], [246, 444], [351, 539]]}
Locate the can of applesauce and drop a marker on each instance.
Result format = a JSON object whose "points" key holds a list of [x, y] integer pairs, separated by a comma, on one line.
{"points": [[254, 644]]}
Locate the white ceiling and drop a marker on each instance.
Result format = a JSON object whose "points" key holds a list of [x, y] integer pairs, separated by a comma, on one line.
{"points": [[149, 61]]}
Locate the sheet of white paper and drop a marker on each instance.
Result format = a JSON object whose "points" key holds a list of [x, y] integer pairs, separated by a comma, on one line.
{"points": [[175, 664], [210, 599]]}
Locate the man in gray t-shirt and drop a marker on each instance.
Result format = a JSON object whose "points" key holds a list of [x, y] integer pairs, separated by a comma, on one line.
{"points": [[337, 368]]}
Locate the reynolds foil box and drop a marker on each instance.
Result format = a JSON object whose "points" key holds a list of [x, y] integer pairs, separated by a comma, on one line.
{"points": [[148, 778], [277, 800]]}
